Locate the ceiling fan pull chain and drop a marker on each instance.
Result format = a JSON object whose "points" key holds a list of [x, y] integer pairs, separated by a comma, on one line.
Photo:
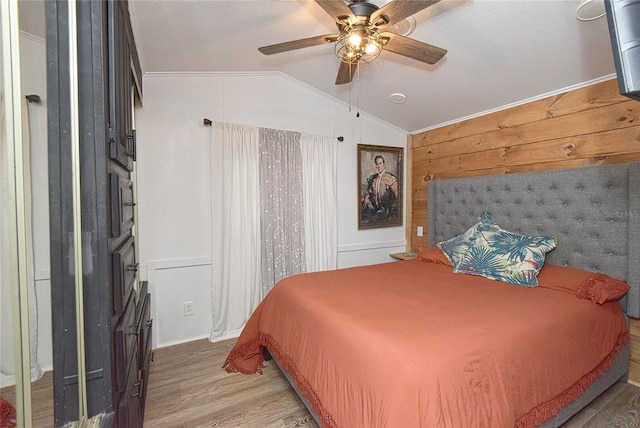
{"points": [[350, 100], [359, 89]]}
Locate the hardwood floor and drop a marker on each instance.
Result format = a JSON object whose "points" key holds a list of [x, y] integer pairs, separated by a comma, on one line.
{"points": [[41, 400], [188, 388]]}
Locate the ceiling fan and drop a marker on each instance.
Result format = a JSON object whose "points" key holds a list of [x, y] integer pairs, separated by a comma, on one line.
{"points": [[364, 33]]}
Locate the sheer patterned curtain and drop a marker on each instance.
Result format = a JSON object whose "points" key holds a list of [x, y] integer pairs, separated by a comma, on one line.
{"points": [[282, 217], [319, 166], [235, 212]]}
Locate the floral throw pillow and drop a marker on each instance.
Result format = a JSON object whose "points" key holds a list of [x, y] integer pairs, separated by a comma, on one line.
{"points": [[486, 249], [456, 247], [506, 256]]}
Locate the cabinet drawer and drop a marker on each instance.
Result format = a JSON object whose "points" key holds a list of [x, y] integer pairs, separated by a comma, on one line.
{"points": [[124, 269], [128, 413], [144, 328], [126, 339], [121, 204]]}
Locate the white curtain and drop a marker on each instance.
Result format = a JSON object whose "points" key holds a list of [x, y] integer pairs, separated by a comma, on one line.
{"points": [[250, 165], [235, 218], [319, 172], [7, 366]]}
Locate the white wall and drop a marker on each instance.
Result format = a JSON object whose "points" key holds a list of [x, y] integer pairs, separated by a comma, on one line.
{"points": [[173, 179]]}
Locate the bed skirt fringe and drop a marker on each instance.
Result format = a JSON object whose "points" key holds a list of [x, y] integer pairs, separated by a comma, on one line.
{"points": [[248, 358], [251, 352], [548, 409]]}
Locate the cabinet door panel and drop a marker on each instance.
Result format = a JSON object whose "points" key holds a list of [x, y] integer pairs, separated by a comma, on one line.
{"points": [[124, 268], [122, 212], [126, 338], [121, 136]]}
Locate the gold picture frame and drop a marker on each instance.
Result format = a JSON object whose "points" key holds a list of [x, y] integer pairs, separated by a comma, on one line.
{"points": [[380, 178]]}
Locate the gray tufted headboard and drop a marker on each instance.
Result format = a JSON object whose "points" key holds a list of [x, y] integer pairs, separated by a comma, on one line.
{"points": [[594, 212]]}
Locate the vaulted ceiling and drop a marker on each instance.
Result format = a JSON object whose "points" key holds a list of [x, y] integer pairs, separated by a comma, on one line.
{"points": [[500, 52]]}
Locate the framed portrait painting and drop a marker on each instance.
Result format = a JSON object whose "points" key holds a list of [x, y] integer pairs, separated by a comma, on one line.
{"points": [[380, 172]]}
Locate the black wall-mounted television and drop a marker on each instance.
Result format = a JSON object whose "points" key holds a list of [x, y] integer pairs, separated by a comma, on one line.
{"points": [[623, 17]]}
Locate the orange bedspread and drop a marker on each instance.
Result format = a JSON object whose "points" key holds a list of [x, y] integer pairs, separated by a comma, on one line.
{"points": [[411, 344]]}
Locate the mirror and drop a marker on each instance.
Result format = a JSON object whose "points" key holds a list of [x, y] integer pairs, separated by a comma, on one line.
{"points": [[25, 280]]}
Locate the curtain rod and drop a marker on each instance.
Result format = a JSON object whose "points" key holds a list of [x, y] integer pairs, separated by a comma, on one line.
{"points": [[209, 122]]}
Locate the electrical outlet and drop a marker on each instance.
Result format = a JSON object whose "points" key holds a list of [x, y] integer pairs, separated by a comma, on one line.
{"points": [[188, 308], [420, 231]]}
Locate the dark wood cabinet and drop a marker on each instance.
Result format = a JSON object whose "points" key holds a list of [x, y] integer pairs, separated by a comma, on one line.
{"points": [[117, 325]]}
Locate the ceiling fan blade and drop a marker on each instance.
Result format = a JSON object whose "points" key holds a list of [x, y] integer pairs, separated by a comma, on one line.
{"points": [[346, 73], [413, 49], [337, 9], [298, 44], [397, 10]]}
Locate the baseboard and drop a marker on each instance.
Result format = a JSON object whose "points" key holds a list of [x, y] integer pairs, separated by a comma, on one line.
{"points": [[180, 342]]}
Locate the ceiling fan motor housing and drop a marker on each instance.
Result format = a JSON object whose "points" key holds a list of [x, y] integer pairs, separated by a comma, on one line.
{"points": [[362, 8]]}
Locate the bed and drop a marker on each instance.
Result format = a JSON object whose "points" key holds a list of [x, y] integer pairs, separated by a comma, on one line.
{"points": [[415, 344]]}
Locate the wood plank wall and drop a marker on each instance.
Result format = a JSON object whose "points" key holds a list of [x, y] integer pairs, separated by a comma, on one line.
{"points": [[594, 125]]}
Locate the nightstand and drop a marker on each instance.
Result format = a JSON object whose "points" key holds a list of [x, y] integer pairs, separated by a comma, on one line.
{"points": [[404, 256]]}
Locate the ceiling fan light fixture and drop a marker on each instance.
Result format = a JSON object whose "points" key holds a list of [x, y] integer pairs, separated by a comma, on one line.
{"points": [[358, 45], [355, 40], [371, 49]]}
